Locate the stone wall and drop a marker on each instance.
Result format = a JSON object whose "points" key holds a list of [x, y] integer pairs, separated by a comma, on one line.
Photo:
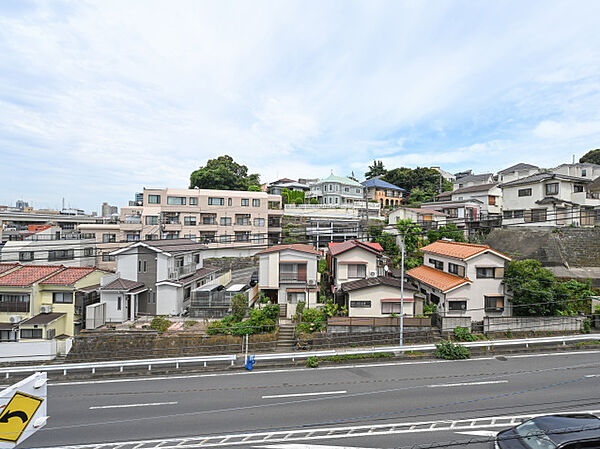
{"points": [[387, 336], [98, 346], [533, 324], [232, 263]]}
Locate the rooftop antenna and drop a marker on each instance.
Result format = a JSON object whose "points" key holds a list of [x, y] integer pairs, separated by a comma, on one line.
{"points": [[573, 158]]}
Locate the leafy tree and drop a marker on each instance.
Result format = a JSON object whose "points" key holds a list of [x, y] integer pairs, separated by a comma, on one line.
{"points": [[238, 306], [449, 231], [223, 173], [591, 157], [314, 201], [254, 188], [412, 233], [377, 169], [292, 196], [421, 183]]}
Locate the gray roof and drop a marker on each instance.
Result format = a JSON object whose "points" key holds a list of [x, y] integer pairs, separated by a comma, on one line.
{"points": [[539, 177], [175, 245], [199, 274], [517, 167], [121, 284], [477, 188], [42, 318], [475, 178], [371, 282]]}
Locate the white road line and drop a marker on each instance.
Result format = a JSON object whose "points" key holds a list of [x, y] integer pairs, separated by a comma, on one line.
{"points": [[277, 371], [464, 384], [95, 407], [297, 395], [308, 446]]}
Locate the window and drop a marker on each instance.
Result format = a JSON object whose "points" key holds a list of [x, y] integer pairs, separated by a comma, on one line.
{"points": [[176, 200], [118, 303], [142, 266], [259, 222], [106, 257], [216, 201], [485, 273], [61, 254], [346, 189], [8, 335], [437, 264], [25, 256], [258, 238], [388, 307], [242, 236], [494, 303], [453, 268], [356, 270], [577, 188], [245, 202], [584, 173], [507, 214], [109, 238], [552, 188], [242, 220], [518, 213], [294, 297], [457, 305], [229, 202], [88, 252], [151, 219], [357, 190], [491, 200], [189, 221], [225, 221], [360, 304], [524, 192], [193, 201], [151, 236], [31, 333], [133, 236], [255, 203], [153, 199], [535, 215], [225, 238], [62, 298], [14, 302]]}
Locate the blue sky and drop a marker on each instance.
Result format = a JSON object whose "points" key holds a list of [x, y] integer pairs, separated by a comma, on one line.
{"points": [[99, 99]]}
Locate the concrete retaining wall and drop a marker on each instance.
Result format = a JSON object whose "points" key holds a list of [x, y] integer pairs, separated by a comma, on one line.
{"points": [[537, 324], [27, 351]]}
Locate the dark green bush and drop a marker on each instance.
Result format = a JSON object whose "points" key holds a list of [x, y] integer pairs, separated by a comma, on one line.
{"points": [[312, 362], [160, 323], [451, 351], [463, 334]]}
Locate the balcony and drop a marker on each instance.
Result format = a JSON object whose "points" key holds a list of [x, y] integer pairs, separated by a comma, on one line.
{"points": [[291, 278], [182, 271]]}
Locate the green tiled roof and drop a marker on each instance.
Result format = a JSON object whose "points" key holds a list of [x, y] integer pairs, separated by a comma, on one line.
{"points": [[341, 180]]}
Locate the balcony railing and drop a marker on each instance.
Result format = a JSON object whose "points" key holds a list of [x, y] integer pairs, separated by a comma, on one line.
{"points": [[290, 277], [183, 271]]}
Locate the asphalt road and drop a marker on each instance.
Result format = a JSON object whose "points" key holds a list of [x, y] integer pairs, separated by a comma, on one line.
{"points": [[360, 403]]}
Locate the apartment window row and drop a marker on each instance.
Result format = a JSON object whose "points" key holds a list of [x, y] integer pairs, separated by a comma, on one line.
{"points": [[61, 254], [513, 213], [109, 238]]}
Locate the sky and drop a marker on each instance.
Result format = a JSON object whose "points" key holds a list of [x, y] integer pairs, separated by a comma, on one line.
{"points": [[99, 99]]}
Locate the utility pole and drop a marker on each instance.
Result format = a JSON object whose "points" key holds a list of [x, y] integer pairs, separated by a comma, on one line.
{"points": [[403, 236]]}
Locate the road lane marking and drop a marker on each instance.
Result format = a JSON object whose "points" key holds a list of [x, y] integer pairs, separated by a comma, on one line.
{"points": [[148, 404], [296, 395], [464, 384], [308, 446], [480, 433]]}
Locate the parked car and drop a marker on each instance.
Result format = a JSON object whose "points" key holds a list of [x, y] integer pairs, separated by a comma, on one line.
{"points": [[574, 431], [254, 279]]}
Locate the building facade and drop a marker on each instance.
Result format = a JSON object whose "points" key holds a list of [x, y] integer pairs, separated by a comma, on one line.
{"points": [[384, 193], [336, 190]]}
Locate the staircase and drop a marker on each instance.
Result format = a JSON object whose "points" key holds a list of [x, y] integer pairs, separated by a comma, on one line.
{"points": [[287, 332]]}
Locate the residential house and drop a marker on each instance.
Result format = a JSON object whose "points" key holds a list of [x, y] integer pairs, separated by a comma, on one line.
{"points": [[579, 170], [44, 301], [380, 296], [464, 213], [353, 260], [550, 199], [424, 218], [446, 175], [336, 190], [51, 245], [155, 277], [287, 274], [462, 279], [383, 192], [489, 194], [276, 187], [470, 180], [517, 171]]}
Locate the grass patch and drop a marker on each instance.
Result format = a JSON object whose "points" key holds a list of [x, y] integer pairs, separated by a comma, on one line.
{"points": [[587, 343], [414, 353]]}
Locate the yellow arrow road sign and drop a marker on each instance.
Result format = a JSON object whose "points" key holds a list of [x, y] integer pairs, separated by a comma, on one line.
{"points": [[17, 414]]}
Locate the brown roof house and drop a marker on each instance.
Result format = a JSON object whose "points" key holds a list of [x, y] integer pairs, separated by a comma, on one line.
{"points": [[287, 274], [463, 279]]}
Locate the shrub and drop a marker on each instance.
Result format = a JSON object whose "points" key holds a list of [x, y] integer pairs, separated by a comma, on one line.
{"points": [[312, 362], [597, 309], [299, 201], [313, 320], [445, 349], [463, 334], [160, 323], [508, 334], [429, 308], [586, 328], [314, 201], [190, 323], [300, 309], [238, 306]]}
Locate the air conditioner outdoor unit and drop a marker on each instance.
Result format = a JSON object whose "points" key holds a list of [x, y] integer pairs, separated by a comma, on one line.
{"points": [[311, 283], [14, 319], [45, 309], [372, 274]]}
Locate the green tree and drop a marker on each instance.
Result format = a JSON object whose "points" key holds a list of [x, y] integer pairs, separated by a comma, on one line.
{"points": [[591, 157], [223, 173], [421, 183], [449, 231], [314, 201], [254, 188], [377, 169], [238, 306]]}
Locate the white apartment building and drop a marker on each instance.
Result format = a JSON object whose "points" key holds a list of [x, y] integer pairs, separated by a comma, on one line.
{"points": [[287, 274], [336, 190], [550, 199], [463, 279]]}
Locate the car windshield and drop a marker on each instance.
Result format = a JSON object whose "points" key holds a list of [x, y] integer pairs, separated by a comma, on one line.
{"points": [[533, 437]]}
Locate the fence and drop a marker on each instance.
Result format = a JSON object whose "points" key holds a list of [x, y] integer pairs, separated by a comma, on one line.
{"points": [[27, 351], [527, 324], [379, 324], [95, 315]]}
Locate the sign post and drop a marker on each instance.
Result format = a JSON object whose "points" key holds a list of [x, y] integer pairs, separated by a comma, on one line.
{"points": [[22, 410]]}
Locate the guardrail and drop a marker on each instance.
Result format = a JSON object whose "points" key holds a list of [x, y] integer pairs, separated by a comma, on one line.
{"points": [[121, 364], [66, 367]]}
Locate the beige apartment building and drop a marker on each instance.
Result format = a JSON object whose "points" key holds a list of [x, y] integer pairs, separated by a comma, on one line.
{"points": [[215, 217]]}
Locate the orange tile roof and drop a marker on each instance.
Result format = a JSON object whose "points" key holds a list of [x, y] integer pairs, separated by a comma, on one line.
{"points": [[438, 279], [293, 246], [69, 276], [4, 267], [455, 249], [29, 274]]}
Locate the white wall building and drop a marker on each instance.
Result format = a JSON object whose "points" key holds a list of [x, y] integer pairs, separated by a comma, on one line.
{"points": [[517, 171], [353, 260], [463, 279], [336, 190]]}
